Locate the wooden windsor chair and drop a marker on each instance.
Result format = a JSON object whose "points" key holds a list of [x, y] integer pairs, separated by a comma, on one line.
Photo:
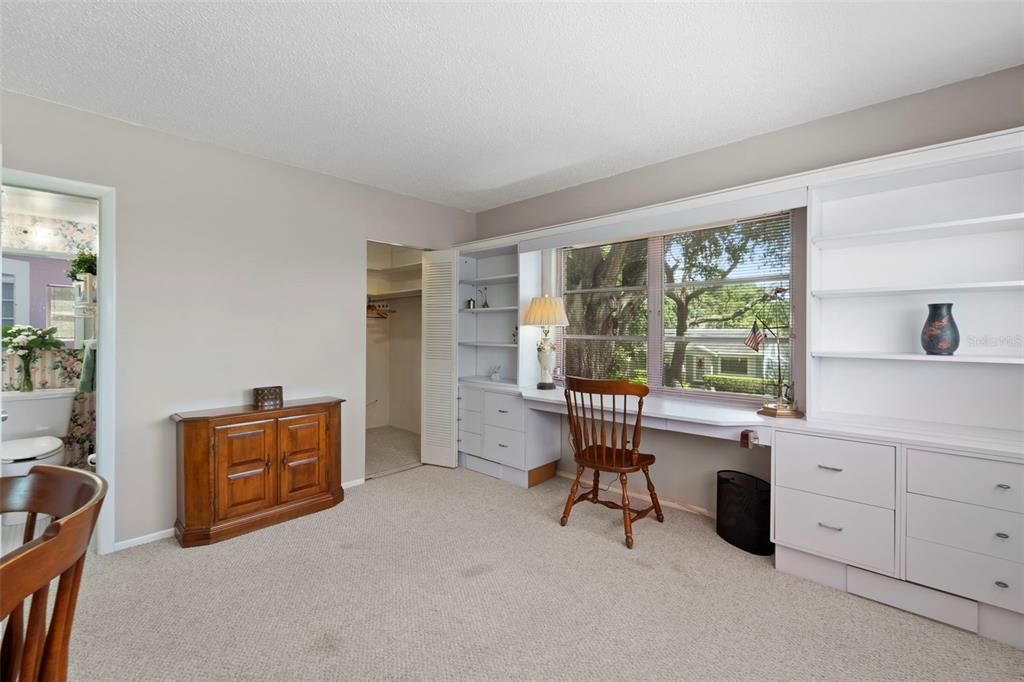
{"points": [[35, 650], [602, 440]]}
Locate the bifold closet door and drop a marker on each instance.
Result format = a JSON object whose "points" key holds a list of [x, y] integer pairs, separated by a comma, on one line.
{"points": [[439, 366]]}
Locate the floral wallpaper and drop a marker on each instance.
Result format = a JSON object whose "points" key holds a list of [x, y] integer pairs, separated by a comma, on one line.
{"points": [[33, 233], [60, 369]]}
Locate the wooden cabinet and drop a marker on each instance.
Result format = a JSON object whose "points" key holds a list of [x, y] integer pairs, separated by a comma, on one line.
{"points": [[240, 469]]}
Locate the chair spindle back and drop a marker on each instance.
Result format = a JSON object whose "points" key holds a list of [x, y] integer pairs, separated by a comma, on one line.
{"points": [[599, 419]]}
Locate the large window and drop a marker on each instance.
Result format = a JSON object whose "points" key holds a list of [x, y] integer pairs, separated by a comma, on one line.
{"points": [[605, 293], [702, 310]]}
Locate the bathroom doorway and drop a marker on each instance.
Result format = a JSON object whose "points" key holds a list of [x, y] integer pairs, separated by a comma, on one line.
{"points": [[58, 244], [393, 339]]}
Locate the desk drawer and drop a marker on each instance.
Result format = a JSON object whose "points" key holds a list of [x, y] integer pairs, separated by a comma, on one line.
{"points": [[504, 446], [471, 443], [993, 532], [504, 410], [471, 422], [471, 399], [860, 472], [846, 531], [966, 479], [984, 578]]}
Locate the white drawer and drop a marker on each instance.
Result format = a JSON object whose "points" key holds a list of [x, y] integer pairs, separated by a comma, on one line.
{"points": [[966, 479], [504, 410], [471, 422], [471, 399], [471, 443], [993, 532], [984, 578], [504, 446], [861, 472], [847, 531]]}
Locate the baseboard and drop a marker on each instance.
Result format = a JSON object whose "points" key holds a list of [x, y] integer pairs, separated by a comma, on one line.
{"points": [[700, 511], [143, 539], [352, 484]]}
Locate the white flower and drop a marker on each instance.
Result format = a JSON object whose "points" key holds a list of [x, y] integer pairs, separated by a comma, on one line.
{"points": [[23, 351]]}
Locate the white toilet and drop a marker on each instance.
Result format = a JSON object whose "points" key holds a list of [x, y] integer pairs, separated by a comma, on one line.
{"points": [[33, 425]]}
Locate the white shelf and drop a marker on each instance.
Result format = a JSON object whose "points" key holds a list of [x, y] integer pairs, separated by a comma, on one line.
{"points": [[488, 344], [952, 228], [398, 269], [487, 381], [494, 279], [921, 357], [402, 293], [500, 309], [968, 287]]}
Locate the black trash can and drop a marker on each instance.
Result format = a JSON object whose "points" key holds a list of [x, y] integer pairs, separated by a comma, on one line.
{"points": [[744, 509]]}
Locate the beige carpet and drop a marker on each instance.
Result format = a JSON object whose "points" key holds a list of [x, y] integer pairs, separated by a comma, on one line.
{"points": [[390, 449], [449, 575]]}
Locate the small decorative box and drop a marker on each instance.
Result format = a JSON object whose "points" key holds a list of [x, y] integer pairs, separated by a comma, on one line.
{"points": [[267, 397]]}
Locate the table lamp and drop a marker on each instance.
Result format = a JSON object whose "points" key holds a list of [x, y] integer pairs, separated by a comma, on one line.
{"points": [[546, 312]]}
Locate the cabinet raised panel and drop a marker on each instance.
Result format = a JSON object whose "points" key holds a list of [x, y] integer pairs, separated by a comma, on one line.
{"points": [[240, 469], [303, 451], [243, 456]]}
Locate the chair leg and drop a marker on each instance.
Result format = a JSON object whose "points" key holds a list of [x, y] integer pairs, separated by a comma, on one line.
{"points": [[597, 483], [626, 521], [572, 495], [654, 497]]}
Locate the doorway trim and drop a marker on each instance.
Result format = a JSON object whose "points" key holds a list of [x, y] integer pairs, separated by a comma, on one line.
{"points": [[106, 355]]}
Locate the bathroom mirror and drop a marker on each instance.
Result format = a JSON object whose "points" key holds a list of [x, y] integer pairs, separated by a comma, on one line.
{"points": [[41, 232]]}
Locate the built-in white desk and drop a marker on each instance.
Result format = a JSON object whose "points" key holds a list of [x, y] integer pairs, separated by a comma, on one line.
{"points": [[698, 417]]}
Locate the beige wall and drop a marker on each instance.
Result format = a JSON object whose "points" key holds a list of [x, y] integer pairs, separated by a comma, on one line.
{"points": [[232, 272], [971, 107]]}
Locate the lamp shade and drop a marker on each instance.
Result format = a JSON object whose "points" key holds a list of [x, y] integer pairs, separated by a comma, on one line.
{"points": [[546, 311]]}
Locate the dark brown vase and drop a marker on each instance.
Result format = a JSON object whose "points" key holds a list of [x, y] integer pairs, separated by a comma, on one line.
{"points": [[940, 335]]}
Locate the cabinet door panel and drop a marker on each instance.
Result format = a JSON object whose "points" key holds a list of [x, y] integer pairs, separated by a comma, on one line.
{"points": [[303, 442], [245, 477]]}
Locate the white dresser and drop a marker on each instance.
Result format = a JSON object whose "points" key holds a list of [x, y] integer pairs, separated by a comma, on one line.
{"points": [[499, 437]]}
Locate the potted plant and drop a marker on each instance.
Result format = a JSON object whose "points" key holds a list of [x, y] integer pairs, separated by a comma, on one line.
{"points": [[26, 341], [82, 271]]}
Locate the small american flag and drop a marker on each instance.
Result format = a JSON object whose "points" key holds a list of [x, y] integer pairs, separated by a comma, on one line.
{"points": [[754, 338]]}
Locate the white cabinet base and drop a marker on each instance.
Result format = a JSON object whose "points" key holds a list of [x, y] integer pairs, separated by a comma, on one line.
{"points": [[967, 614], [518, 477]]}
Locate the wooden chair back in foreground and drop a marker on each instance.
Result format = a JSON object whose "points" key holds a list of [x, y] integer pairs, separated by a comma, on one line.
{"points": [[35, 650]]}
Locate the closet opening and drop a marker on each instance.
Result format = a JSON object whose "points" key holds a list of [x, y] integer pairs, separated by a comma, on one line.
{"points": [[393, 342]]}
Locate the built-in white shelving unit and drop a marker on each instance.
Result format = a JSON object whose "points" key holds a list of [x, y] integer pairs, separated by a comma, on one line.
{"points": [[1016, 285], [490, 337], [932, 230], [914, 357], [880, 249]]}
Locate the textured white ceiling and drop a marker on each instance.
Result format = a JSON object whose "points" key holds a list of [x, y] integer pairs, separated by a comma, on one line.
{"points": [[480, 105]]}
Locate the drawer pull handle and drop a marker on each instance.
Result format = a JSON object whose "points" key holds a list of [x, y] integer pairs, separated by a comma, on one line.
{"points": [[1001, 585], [830, 527], [1003, 536], [502, 411], [502, 445], [1003, 486], [826, 467]]}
